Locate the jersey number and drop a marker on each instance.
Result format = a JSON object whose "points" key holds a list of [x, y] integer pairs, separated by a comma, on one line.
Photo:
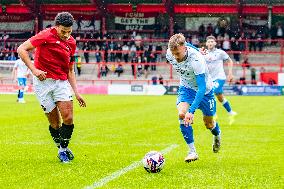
{"points": [[211, 103]]}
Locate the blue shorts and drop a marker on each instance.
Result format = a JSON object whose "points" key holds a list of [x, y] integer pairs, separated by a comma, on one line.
{"points": [[218, 86], [207, 105], [22, 82]]}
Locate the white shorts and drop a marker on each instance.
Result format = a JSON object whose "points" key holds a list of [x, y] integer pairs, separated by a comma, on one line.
{"points": [[50, 91]]}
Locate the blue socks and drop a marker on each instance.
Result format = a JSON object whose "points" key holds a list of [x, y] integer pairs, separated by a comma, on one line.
{"points": [[21, 93], [187, 132], [226, 105], [216, 129]]}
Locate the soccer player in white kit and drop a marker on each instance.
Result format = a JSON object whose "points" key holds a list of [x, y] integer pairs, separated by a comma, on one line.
{"points": [[195, 92], [20, 71], [215, 58]]}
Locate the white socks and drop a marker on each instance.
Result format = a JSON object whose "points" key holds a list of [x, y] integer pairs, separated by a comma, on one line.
{"points": [[191, 147]]}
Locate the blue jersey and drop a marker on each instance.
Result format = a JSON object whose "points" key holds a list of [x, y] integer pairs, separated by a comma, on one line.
{"points": [[191, 67]]}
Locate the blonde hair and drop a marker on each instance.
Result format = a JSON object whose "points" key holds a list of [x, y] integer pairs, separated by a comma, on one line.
{"points": [[210, 37], [176, 40]]}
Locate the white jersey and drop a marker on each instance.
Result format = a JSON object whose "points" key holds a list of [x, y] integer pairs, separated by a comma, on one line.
{"points": [[189, 68], [215, 60], [22, 69]]}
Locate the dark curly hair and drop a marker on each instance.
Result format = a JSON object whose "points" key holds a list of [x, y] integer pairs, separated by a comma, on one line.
{"points": [[64, 18]]}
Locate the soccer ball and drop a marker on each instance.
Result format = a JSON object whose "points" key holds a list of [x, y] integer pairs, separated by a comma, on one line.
{"points": [[153, 162]]}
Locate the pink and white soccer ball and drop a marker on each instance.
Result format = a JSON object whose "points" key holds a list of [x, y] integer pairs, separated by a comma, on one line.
{"points": [[153, 162]]}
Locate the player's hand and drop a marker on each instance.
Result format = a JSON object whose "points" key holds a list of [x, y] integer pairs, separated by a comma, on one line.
{"points": [[203, 51], [81, 101], [41, 75], [188, 119], [230, 78]]}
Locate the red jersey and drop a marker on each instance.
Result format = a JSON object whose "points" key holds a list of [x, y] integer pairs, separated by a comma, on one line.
{"points": [[52, 54]]}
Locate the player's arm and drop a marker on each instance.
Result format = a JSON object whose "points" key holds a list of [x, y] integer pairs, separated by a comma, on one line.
{"points": [[227, 59], [14, 72], [230, 65], [201, 84], [73, 83], [202, 50], [191, 46], [23, 51]]}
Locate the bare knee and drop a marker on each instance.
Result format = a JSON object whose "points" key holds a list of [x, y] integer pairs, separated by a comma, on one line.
{"points": [[68, 119], [181, 115], [220, 97], [209, 125], [54, 119], [209, 122], [66, 111], [55, 125], [182, 109]]}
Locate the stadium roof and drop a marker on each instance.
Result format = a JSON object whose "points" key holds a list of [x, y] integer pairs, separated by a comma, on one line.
{"points": [[8, 2], [135, 2], [102, 7]]}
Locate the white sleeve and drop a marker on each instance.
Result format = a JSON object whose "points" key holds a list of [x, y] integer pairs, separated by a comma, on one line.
{"points": [[198, 64], [16, 63], [224, 55]]}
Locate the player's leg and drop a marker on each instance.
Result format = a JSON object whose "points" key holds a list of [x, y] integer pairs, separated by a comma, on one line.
{"points": [[187, 132], [54, 121], [208, 107], [227, 106], [218, 90], [18, 95], [66, 130], [44, 90], [221, 98], [53, 117], [21, 84], [63, 98], [184, 99], [213, 126], [23, 88]]}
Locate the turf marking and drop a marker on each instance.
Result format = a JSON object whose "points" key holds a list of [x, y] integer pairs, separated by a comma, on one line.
{"points": [[124, 170]]}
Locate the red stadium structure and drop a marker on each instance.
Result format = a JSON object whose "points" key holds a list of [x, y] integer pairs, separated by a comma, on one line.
{"points": [[109, 31]]}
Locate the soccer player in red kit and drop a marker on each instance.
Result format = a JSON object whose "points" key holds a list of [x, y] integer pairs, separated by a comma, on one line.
{"points": [[53, 73]]}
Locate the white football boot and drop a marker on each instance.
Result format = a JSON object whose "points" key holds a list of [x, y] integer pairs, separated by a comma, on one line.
{"points": [[192, 156]]}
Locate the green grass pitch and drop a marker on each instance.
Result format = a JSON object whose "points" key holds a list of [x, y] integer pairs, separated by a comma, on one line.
{"points": [[115, 131]]}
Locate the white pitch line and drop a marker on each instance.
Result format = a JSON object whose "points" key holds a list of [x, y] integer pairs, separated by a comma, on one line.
{"points": [[124, 170]]}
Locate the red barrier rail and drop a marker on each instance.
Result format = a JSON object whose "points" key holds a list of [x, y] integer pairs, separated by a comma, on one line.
{"points": [[279, 51]]}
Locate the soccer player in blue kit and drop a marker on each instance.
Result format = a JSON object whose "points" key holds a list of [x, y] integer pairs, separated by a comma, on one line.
{"points": [[195, 92], [215, 58]]}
